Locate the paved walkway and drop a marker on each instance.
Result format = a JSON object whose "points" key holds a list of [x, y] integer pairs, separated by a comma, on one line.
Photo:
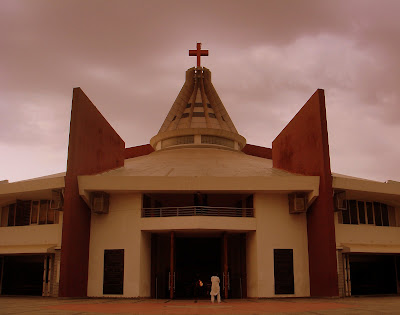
{"points": [[54, 306]]}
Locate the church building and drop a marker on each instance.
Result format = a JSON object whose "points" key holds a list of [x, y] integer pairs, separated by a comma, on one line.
{"points": [[158, 220]]}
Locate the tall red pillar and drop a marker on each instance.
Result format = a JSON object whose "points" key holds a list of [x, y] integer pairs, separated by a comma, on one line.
{"points": [[94, 147], [172, 267], [225, 278], [302, 147]]}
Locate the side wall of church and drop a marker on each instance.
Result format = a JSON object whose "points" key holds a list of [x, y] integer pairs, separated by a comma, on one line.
{"points": [[302, 147], [276, 229], [94, 147], [119, 229]]}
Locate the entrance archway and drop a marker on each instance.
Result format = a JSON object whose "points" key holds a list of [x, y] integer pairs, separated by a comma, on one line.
{"points": [[196, 260], [183, 263]]}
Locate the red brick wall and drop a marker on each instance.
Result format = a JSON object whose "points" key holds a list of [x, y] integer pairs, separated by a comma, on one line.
{"points": [[255, 150], [94, 147], [138, 151], [302, 147]]}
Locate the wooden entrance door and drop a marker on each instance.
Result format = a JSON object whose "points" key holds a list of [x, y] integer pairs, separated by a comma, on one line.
{"points": [[234, 279]]}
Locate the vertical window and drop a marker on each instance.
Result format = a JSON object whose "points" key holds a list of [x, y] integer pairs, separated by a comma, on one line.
{"points": [[249, 201], [361, 211], [113, 280], [43, 211], [26, 205], [385, 215], [370, 214], [11, 215], [34, 212], [346, 217], [146, 201], [19, 213], [377, 212], [4, 216], [353, 212], [283, 271], [23, 212]]}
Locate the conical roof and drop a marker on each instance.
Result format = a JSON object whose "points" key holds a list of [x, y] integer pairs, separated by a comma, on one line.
{"points": [[198, 117]]}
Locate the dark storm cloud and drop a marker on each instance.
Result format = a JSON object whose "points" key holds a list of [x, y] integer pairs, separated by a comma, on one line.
{"points": [[267, 59]]}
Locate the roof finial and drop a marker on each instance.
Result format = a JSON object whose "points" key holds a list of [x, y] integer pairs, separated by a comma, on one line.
{"points": [[198, 52]]}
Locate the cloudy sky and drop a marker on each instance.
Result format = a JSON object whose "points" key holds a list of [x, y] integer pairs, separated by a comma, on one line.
{"points": [[267, 58]]}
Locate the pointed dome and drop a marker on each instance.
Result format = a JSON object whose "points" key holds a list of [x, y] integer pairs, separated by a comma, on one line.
{"points": [[198, 117]]}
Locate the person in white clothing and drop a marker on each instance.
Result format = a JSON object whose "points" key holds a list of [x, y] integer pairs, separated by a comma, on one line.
{"points": [[215, 290]]}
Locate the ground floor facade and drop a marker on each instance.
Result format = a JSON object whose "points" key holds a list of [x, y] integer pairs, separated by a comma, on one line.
{"points": [[179, 265], [135, 254], [261, 251]]}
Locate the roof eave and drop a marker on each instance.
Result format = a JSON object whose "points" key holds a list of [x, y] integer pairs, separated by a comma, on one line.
{"points": [[249, 184], [29, 186], [365, 189]]}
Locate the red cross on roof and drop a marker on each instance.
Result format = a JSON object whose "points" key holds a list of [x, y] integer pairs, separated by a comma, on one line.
{"points": [[198, 52]]}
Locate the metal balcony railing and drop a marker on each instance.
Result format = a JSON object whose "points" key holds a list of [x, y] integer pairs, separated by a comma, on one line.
{"points": [[197, 211]]}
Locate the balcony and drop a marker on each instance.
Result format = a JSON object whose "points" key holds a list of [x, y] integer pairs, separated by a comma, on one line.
{"points": [[197, 211]]}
